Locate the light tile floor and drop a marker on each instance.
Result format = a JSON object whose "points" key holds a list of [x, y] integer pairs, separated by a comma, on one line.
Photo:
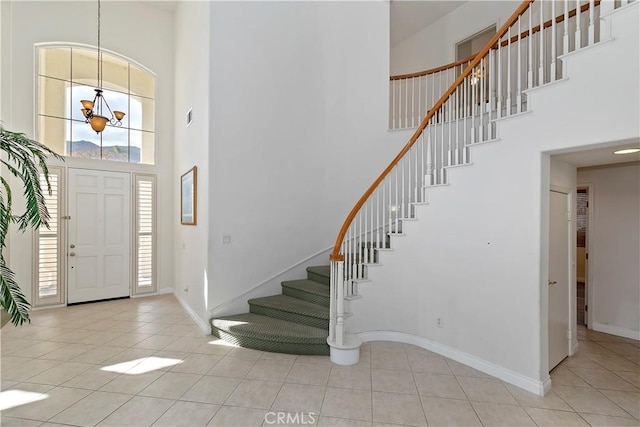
{"points": [[142, 362]]}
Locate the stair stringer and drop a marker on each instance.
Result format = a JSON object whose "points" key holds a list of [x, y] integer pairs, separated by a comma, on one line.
{"points": [[477, 256]]}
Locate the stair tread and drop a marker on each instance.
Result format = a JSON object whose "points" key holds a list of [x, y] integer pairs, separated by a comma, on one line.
{"points": [[310, 286], [292, 305], [268, 328]]}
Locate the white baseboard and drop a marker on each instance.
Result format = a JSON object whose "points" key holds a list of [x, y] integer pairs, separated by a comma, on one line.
{"points": [[616, 330], [546, 384], [526, 383], [204, 327], [574, 347]]}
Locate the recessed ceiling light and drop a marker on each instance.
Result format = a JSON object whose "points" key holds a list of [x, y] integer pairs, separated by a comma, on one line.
{"points": [[627, 151]]}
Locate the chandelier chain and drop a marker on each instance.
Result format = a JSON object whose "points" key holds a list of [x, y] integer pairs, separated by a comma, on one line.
{"points": [[99, 53]]}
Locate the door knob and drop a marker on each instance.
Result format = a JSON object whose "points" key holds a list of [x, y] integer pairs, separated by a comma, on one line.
{"points": [[72, 254], [552, 282], [72, 246]]}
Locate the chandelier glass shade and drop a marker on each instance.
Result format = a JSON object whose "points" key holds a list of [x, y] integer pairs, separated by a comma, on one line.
{"points": [[93, 110]]}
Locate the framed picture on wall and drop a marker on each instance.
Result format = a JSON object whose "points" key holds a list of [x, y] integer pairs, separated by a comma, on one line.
{"points": [[188, 197]]}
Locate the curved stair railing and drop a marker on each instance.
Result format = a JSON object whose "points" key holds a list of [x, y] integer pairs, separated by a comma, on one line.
{"points": [[523, 54]]}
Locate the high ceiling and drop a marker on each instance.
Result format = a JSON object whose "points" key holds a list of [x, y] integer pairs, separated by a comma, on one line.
{"points": [[601, 155], [410, 16]]}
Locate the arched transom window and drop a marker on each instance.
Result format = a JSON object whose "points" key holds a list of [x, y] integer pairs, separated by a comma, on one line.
{"points": [[67, 74]]}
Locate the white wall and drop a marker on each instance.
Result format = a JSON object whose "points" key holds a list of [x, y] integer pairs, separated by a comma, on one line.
{"points": [[298, 114], [614, 248], [135, 29], [478, 256], [435, 45], [192, 90]]}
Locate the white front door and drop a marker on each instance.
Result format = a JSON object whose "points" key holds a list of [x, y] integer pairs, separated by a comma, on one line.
{"points": [[99, 236], [558, 283]]}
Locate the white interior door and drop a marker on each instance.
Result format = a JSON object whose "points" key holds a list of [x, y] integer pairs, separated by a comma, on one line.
{"points": [[99, 236], [558, 283]]}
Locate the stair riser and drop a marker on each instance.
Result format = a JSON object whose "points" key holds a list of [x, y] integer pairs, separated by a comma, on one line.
{"points": [[306, 296], [263, 345], [319, 278], [291, 317]]}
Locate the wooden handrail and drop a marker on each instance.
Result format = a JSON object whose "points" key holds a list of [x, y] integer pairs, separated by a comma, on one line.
{"points": [[335, 254], [433, 70], [524, 34]]}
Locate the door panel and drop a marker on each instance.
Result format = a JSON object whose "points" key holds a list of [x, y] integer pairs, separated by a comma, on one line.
{"points": [[558, 284], [99, 235]]}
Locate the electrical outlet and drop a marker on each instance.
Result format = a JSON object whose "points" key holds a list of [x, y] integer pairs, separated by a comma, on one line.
{"points": [[439, 322]]}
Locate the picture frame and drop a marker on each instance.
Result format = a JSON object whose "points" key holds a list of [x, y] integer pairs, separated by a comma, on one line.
{"points": [[189, 197]]}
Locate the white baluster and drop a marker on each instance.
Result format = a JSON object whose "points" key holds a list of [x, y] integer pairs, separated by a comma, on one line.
{"points": [[473, 87], [443, 151], [541, 39], [530, 46], [565, 37], [519, 68], [429, 169], [416, 172], [358, 245], [395, 203], [422, 182], [386, 201], [456, 120], [492, 95], [433, 90], [379, 204], [508, 101], [364, 245], [402, 194], [592, 27], [483, 106], [419, 99], [413, 101], [353, 253], [388, 210], [406, 103], [465, 106], [499, 80], [578, 29], [393, 104], [450, 118], [552, 76]]}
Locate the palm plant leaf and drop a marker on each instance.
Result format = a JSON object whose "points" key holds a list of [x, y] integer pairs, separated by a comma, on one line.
{"points": [[25, 160], [27, 155], [11, 296]]}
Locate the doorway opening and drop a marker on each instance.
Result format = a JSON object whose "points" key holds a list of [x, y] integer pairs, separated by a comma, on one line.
{"points": [[473, 44], [582, 255]]}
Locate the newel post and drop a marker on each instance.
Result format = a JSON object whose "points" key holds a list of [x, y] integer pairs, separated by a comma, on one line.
{"points": [[345, 348]]}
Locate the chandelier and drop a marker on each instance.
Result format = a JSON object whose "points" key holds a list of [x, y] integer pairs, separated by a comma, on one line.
{"points": [[93, 110]]}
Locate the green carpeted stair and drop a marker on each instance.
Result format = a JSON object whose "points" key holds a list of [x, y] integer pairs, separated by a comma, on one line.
{"points": [[295, 322]]}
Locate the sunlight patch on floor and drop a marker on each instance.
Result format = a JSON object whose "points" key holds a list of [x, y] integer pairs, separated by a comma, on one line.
{"points": [[12, 398], [142, 366], [222, 343]]}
